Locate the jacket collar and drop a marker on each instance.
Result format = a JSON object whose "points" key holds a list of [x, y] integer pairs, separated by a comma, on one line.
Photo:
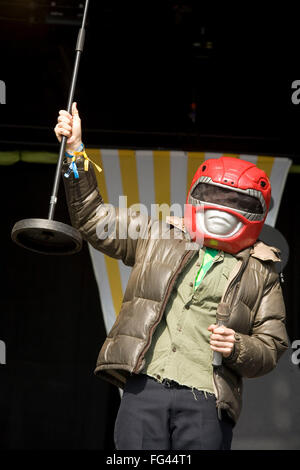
{"points": [[176, 221], [265, 252], [259, 250]]}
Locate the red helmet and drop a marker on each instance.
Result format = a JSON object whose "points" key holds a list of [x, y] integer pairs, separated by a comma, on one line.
{"points": [[234, 186]]}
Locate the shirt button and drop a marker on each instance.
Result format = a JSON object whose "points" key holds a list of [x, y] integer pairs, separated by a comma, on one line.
{"points": [[174, 349], [158, 376], [187, 306], [191, 284]]}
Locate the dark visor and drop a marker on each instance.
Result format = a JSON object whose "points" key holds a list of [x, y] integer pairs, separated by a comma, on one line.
{"points": [[227, 197]]}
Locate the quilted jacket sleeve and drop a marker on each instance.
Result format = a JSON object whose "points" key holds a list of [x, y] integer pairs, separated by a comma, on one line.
{"points": [[111, 230], [257, 354]]}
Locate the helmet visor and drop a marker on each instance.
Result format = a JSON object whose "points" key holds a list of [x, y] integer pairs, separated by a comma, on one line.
{"points": [[213, 194]]}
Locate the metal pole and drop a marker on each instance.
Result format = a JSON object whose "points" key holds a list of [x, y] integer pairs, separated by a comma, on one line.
{"points": [[79, 50]]}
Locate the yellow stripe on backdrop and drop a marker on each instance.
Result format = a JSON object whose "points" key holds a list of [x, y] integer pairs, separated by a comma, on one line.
{"points": [[129, 176], [265, 164], [162, 184], [195, 159], [112, 265]]}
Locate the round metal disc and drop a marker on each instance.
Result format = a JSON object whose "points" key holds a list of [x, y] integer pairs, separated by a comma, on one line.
{"points": [[47, 237]]}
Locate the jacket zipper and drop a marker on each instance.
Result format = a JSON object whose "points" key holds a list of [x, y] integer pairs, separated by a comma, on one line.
{"points": [[169, 289]]}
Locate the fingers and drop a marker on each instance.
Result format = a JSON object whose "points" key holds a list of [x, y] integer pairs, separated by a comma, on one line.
{"points": [[63, 129], [65, 119], [227, 337], [222, 339], [64, 125], [64, 116], [65, 113], [69, 125], [220, 330], [224, 351], [75, 112], [221, 344]]}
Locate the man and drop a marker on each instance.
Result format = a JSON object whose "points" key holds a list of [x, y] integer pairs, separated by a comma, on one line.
{"points": [[187, 276]]}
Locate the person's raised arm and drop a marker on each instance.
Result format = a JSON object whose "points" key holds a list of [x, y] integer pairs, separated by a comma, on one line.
{"points": [[105, 227]]}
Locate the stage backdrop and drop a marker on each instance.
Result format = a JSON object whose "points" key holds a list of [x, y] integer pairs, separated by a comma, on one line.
{"points": [[161, 178], [46, 343]]}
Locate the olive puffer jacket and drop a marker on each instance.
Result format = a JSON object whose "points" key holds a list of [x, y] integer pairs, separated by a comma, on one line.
{"points": [[158, 252]]}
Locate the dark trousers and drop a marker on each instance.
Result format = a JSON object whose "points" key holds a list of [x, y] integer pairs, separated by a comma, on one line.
{"points": [[168, 416]]}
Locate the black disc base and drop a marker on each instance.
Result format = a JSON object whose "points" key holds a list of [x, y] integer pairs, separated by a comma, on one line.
{"points": [[47, 237]]}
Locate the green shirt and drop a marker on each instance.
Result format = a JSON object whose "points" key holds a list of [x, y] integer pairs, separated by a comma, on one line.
{"points": [[180, 348]]}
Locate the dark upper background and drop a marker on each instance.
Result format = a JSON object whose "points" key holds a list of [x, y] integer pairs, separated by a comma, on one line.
{"points": [[143, 65]]}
